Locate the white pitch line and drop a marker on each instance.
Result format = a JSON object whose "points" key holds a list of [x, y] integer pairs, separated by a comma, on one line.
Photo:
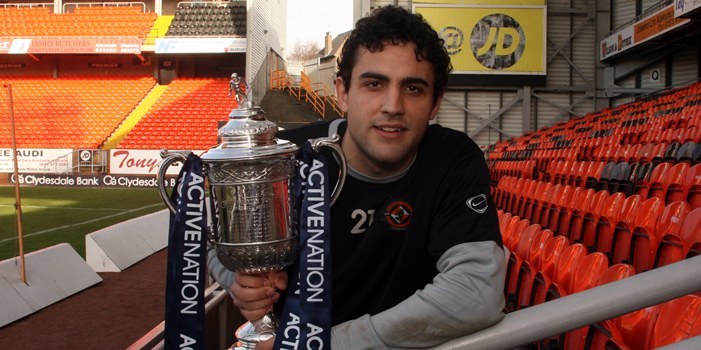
{"points": [[78, 224], [66, 208]]}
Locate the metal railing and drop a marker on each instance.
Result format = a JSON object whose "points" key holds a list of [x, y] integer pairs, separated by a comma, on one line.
{"points": [[317, 94], [587, 307]]}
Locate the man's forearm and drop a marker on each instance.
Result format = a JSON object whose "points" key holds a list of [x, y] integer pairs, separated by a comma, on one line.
{"points": [[466, 296]]}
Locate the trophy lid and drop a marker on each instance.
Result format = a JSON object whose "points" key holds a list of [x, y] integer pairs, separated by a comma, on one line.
{"points": [[247, 134]]}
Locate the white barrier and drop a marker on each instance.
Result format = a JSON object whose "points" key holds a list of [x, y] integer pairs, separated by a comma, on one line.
{"points": [[53, 274], [119, 246]]}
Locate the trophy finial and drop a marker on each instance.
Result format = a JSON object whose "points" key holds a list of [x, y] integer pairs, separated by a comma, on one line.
{"points": [[236, 89]]}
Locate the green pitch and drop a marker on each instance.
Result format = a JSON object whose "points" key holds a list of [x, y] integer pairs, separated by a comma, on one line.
{"points": [[52, 215]]}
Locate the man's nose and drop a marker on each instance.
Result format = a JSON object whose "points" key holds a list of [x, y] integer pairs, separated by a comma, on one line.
{"points": [[393, 102]]}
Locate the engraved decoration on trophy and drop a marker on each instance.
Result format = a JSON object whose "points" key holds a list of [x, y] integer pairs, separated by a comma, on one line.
{"points": [[250, 175]]}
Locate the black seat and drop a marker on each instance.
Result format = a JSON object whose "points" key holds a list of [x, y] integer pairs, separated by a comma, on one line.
{"points": [[686, 152]]}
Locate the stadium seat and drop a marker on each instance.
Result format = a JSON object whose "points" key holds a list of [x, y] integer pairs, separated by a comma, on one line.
{"points": [[656, 184], [567, 196], [669, 248], [672, 185], [593, 174], [574, 209], [527, 192], [549, 258], [560, 283], [586, 275], [686, 152], [691, 234], [601, 333], [598, 232], [535, 203], [619, 174], [529, 267], [691, 188], [551, 202], [606, 173], [578, 224], [677, 320], [631, 247], [542, 203], [516, 259]]}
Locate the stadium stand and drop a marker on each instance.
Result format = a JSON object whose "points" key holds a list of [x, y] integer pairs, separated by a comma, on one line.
{"points": [[71, 112], [598, 199], [185, 117], [84, 21], [209, 19]]}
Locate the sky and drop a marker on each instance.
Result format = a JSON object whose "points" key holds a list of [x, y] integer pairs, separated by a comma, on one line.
{"points": [[309, 20]]}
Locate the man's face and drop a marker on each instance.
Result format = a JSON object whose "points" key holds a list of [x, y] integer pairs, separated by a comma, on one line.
{"points": [[389, 104]]}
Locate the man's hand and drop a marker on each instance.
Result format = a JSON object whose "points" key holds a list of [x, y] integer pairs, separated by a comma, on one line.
{"points": [[255, 295]]}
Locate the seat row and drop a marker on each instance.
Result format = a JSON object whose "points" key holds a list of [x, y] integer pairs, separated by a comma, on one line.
{"points": [[543, 266], [194, 128], [643, 232], [69, 112], [609, 134], [671, 182]]}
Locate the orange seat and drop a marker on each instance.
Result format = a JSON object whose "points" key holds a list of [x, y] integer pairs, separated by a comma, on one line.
{"points": [[692, 186], [672, 190], [548, 203], [677, 320], [568, 194], [634, 249], [516, 258], [574, 209], [668, 248], [549, 258], [609, 334], [691, 234], [586, 275], [591, 214], [528, 269], [542, 203], [657, 178], [626, 216], [597, 234]]}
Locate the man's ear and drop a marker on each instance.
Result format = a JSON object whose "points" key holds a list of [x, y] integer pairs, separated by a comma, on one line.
{"points": [[341, 94], [436, 106]]}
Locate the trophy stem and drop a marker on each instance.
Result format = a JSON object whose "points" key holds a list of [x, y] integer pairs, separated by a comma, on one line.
{"points": [[253, 332]]}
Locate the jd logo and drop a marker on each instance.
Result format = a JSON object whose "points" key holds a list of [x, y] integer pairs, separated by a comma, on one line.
{"points": [[497, 41]]}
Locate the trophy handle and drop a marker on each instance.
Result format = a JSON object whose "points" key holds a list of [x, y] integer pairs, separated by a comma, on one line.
{"points": [[333, 143], [168, 159]]}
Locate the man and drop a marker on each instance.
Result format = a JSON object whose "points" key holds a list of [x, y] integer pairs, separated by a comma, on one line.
{"points": [[417, 256]]}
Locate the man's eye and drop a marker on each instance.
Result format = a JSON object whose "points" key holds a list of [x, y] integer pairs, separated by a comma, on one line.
{"points": [[373, 84], [414, 88]]}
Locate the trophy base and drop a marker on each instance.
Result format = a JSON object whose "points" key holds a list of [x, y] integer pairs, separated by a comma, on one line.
{"points": [[251, 333]]}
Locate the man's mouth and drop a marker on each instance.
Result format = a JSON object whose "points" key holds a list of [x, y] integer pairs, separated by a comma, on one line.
{"points": [[389, 129]]}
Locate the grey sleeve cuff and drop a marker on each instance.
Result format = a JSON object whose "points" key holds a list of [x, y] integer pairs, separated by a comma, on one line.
{"points": [[221, 274], [356, 334], [466, 296]]}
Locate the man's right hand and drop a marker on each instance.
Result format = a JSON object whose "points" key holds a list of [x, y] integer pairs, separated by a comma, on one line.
{"points": [[255, 295]]}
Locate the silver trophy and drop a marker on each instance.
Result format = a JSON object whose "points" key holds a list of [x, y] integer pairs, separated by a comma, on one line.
{"points": [[250, 175]]}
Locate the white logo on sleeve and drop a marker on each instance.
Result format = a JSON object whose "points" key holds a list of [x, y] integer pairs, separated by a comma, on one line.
{"points": [[478, 203]]}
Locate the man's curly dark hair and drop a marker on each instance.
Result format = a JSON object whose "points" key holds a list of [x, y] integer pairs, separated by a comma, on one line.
{"points": [[395, 25]]}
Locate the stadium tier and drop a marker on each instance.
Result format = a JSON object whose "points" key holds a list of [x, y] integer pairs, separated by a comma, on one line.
{"points": [[185, 117], [208, 18], [84, 21], [598, 199], [71, 112]]}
